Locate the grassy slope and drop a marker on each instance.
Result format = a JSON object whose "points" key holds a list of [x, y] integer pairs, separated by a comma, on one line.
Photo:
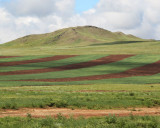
{"points": [[80, 40], [150, 47], [71, 36]]}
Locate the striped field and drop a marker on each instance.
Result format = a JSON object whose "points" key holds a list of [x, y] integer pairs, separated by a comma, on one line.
{"points": [[79, 69]]}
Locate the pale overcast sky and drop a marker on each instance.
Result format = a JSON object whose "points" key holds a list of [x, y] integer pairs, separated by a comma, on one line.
{"points": [[22, 17]]}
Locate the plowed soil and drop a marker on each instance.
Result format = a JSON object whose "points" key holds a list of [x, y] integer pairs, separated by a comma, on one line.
{"points": [[101, 61], [53, 58], [37, 112], [146, 70]]}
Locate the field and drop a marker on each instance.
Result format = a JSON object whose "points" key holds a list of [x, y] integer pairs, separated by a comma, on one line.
{"points": [[79, 69], [96, 97], [85, 81], [102, 82], [104, 100]]}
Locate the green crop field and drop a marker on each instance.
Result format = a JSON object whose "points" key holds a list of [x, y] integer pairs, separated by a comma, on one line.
{"points": [[134, 90], [29, 74]]}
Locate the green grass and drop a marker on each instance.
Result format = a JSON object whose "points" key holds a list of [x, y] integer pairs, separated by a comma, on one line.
{"points": [[111, 87], [21, 58], [150, 47], [117, 96], [98, 122]]}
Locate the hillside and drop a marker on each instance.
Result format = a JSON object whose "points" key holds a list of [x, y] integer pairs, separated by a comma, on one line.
{"points": [[80, 40], [87, 35]]}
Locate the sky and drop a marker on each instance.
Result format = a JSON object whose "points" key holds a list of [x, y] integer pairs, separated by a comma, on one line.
{"points": [[84, 5], [23, 17]]}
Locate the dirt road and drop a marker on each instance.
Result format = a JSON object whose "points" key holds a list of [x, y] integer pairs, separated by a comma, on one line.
{"points": [[37, 112]]}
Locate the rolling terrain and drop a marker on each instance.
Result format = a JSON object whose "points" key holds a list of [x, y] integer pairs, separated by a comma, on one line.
{"points": [[78, 70], [84, 40], [84, 68], [77, 36]]}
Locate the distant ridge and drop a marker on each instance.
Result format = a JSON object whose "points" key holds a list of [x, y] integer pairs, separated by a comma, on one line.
{"points": [[77, 36]]}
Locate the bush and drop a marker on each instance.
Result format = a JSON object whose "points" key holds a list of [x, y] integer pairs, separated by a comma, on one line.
{"points": [[111, 119], [131, 94], [58, 104]]}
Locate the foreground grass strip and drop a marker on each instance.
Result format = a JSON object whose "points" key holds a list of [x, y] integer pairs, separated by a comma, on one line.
{"points": [[74, 97], [94, 122], [100, 61]]}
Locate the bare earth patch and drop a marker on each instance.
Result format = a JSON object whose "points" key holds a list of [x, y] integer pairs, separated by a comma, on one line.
{"points": [[54, 112]]}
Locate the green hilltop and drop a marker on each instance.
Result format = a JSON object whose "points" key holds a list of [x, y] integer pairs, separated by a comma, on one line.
{"points": [[87, 35], [80, 40]]}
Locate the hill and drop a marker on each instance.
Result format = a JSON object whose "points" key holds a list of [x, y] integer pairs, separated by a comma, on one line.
{"points": [[81, 36], [80, 40]]}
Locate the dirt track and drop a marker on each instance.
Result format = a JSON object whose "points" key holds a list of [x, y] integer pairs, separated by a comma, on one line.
{"points": [[53, 58], [146, 70], [77, 113], [101, 61], [3, 57]]}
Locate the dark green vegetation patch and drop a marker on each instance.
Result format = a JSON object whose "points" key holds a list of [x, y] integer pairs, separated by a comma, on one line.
{"points": [[62, 122]]}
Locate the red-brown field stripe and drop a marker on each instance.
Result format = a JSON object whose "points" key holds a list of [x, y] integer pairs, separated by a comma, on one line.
{"points": [[101, 61], [53, 58], [3, 57], [147, 70]]}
